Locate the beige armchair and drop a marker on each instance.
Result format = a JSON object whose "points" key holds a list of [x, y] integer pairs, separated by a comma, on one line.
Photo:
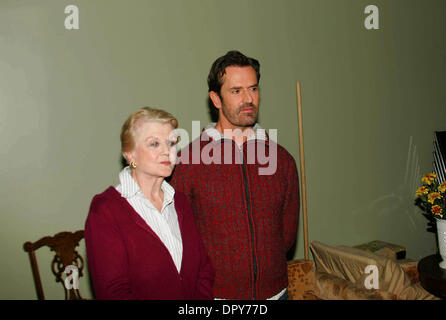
{"points": [[338, 273]]}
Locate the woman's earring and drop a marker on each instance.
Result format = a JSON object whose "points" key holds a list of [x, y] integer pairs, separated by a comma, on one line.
{"points": [[133, 165]]}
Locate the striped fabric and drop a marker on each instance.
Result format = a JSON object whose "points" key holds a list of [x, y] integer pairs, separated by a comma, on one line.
{"points": [[164, 224]]}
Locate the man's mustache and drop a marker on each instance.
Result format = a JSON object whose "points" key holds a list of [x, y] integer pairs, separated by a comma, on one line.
{"points": [[246, 105]]}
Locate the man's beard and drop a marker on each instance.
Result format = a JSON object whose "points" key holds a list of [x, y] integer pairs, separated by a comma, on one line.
{"points": [[244, 120]]}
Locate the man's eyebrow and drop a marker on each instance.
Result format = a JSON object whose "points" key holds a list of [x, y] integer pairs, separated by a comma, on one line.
{"points": [[253, 85]]}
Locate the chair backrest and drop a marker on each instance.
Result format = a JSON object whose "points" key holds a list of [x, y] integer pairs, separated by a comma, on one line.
{"points": [[66, 259]]}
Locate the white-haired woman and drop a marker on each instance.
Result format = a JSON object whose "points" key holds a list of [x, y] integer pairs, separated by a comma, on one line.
{"points": [[141, 238]]}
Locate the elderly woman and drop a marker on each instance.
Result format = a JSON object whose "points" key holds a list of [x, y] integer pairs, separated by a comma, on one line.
{"points": [[141, 238]]}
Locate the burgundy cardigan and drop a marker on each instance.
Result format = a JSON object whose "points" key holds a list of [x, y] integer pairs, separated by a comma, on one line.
{"points": [[127, 260]]}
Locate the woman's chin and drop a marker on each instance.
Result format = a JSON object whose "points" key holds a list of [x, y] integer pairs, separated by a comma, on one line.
{"points": [[166, 172]]}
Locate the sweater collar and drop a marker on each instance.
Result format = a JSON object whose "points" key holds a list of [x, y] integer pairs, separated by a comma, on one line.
{"points": [[214, 134]]}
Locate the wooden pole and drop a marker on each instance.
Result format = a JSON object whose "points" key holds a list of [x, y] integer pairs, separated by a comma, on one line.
{"points": [[302, 170]]}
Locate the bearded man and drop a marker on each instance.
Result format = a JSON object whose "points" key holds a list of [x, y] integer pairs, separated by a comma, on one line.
{"points": [[247, 217]]}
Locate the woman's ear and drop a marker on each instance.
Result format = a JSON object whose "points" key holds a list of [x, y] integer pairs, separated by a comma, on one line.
{"points": [[127, 156]]}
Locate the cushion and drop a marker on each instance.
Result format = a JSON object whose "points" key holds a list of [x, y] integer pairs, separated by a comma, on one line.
{"points": [[349, 264], [387, 249], [300, 279], [343, 262], [330, 287]]}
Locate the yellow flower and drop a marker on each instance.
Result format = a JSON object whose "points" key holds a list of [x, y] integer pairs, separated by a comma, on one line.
{"points": [[421, 191], [433, 196], [429, 178], [436, 210], [442, 187]]}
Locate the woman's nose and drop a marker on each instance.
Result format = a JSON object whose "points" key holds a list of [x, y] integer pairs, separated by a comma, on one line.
{"points": [[165, 148]]}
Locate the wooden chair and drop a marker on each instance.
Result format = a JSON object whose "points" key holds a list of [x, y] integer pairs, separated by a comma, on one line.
{"points": [[64, 244]]}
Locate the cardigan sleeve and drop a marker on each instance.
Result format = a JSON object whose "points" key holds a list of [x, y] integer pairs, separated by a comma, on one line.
{"points": [[291, 206], [205, 279], [106, 254]]}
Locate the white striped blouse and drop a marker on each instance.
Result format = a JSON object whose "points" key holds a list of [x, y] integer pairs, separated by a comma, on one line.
{"points": [[164, 224]]}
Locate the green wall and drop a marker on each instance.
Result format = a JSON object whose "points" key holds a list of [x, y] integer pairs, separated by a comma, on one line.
{"points": [[371, 101]]}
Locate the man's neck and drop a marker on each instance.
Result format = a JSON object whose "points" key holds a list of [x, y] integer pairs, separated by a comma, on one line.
{"points": [[238, 134]]}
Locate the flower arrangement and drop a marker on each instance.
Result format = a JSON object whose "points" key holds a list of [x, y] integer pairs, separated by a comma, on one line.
{"points": [[431, 197]]}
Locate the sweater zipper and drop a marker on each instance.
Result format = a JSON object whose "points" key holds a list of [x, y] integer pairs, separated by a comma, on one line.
{"points": [[251, 224]]}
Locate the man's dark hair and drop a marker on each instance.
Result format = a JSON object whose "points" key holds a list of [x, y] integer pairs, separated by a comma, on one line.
{"points": [[231, 58]]}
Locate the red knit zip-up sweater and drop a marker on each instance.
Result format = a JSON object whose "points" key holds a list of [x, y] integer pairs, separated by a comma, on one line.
{"points": [[247, 221]]}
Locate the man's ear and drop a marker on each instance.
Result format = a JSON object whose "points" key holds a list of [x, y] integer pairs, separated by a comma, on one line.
{"points": [[215, 99]]}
